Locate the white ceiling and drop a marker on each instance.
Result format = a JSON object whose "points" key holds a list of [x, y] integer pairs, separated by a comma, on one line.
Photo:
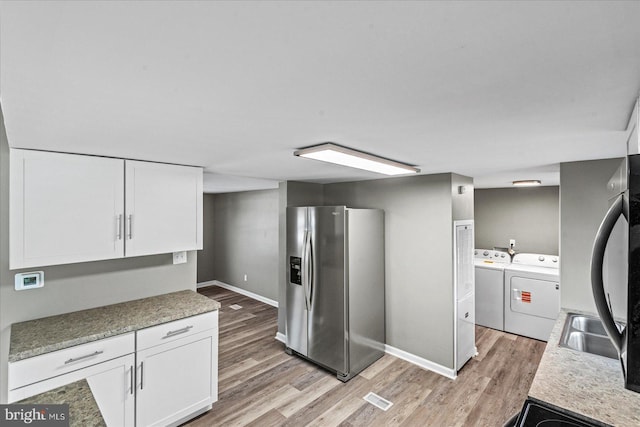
{"points": [[492, 90]]}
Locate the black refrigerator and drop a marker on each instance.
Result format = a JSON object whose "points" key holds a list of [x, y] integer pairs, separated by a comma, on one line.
{"points": [[619, 298]]}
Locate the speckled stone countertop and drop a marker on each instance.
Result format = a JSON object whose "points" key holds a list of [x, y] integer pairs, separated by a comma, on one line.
{"points": [[83, 409], [583, 383], [48, 334]]}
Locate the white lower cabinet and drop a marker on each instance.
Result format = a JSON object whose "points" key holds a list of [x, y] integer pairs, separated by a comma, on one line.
{"points": [[177, 375], [112, 381], [159, 376]]}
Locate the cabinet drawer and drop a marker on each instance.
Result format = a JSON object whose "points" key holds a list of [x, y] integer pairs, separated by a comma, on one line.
{"points": [[38, 368], [177, 329]]}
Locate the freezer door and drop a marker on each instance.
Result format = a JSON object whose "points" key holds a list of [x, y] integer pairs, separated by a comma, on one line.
{"points": [[296, 317], [327, 329]]}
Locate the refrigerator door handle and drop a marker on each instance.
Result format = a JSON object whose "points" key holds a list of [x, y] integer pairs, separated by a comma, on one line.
{"points": [[310, 281], [307, 275], [303, 268], [597, 281]]}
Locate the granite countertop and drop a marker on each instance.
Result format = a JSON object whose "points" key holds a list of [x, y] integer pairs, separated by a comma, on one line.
{"points": [[83, 409], [40, 336], [583, 383]]}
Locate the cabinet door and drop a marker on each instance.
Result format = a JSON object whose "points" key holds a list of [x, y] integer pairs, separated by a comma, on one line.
{"points": [[177, 380], [64, 208], [112, 385], [163, 208]]}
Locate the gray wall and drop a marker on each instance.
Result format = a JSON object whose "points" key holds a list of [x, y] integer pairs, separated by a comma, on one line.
{"points": [[418, 255], [529, 215], [245, 240], [583, 203], [419, 212], [205, 255], [77, 286], [462, 203]]}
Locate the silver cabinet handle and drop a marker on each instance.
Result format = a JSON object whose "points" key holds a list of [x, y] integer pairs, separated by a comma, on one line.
{"points": [[129, 222], [177, 332], [141, 375], [119, 227], [131, 379], [75, 359]]}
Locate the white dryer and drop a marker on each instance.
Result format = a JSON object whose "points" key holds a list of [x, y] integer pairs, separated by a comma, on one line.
{"points": [[489, 270], [532, 295]]}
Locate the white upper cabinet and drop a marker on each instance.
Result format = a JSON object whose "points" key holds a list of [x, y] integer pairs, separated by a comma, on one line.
{"points": [[163, 208], [64, 208], [69, 208]]}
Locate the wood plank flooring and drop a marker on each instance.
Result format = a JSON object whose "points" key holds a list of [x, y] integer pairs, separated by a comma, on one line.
{"points": [[260, 385]]}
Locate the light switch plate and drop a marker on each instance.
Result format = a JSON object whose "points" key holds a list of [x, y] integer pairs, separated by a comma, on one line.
{"points": [[180, 257]]}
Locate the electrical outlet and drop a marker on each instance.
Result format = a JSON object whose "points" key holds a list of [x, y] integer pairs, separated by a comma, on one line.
{"points": [[180, 257], [512, 243], [245, 277]]}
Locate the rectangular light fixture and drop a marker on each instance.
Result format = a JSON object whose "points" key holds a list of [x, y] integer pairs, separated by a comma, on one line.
{"points": [[527, 183], [344, 156]]}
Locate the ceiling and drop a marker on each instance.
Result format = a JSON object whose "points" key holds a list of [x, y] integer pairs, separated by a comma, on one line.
{"points": [[493, 90]]}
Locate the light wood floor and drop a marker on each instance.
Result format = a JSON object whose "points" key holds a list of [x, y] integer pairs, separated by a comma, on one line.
{"points": [[260, 385]]}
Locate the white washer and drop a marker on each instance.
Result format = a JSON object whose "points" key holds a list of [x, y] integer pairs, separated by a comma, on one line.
{"points": [[532, 295], [489, 269]]}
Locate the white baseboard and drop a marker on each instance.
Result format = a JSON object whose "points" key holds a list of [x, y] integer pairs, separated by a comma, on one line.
{"points": [[206, 284], [401, 354], [281, 337], [239, 291], [421, 362]]}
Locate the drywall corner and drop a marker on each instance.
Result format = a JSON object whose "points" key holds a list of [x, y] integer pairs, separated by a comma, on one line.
{"points": [[4, 257], [462, 197]]}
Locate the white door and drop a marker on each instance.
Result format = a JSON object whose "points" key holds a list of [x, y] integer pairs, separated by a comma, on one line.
{"points": [[114, 390], [163, 208], [175, 380], [535, 297], [64, 208], [489, 294], [466, 334], [464, 286]]}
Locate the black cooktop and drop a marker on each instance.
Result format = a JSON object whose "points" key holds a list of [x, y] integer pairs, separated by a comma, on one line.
{"points": [[536, 415]]}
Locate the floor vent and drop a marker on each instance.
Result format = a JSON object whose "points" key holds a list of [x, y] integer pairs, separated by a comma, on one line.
{"points": [[235, 307], [377, 401]]}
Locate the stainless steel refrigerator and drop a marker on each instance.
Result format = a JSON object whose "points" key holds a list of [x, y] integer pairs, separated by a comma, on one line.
{"points": [[335, 287]]}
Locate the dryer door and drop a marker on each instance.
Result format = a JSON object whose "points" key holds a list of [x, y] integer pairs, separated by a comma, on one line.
{"points": [[535, 297]]}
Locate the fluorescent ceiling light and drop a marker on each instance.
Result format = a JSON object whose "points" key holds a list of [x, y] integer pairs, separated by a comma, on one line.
{"points": [[339, 155], [527, 183]]}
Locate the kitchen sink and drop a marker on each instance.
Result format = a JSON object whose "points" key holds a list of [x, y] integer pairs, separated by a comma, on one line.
{"points": [[591, 325], [586, 333]]}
